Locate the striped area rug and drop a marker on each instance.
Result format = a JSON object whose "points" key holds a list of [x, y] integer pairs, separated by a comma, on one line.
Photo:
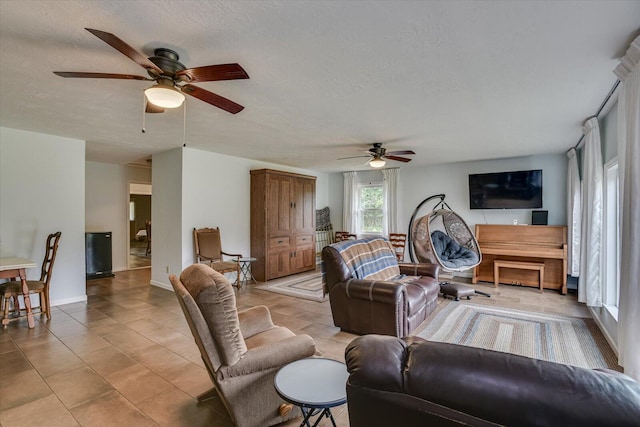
{"points": [[305, 287], [568, 340]]}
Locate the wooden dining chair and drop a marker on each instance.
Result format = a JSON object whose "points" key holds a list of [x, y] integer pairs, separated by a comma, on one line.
{"points": [[13, 289], [398, 241], [344, 235], [208, 249]]}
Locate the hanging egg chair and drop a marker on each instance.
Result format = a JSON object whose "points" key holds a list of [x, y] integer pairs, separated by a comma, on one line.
{"points": [[442, 237]]}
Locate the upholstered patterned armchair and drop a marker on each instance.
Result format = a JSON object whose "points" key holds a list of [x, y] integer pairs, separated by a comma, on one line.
{"points": [[242, 351]]}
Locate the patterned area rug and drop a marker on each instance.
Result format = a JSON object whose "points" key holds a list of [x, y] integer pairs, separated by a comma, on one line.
{"points": [[305, 287], [568, 340]]}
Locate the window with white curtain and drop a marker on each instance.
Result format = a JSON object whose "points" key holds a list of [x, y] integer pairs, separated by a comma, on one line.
{"points": [[370, 209], [612, 237]]}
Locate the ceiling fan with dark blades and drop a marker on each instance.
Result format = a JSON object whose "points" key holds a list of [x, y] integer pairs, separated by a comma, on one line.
{"points": [[172, 78], [378, 155]]}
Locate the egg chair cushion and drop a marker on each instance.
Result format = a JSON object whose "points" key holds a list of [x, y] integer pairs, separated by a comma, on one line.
{"points": [[450, 253]]}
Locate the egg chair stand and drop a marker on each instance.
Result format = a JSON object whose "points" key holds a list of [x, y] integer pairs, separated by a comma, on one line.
{"points": [[442, 237]]}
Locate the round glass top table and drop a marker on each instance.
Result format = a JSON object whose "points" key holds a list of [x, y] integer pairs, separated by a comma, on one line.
{"points": [[315, 385]]}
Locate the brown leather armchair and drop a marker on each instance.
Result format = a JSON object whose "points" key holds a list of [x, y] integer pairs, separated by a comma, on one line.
{"points": [[411, 382], [379, 300]]}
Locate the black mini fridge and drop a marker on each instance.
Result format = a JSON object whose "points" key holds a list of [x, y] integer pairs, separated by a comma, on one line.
{"points": [[98, 255]]}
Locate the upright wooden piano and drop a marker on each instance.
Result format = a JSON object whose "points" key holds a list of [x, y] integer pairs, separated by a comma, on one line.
{"points": [[524, 243]]}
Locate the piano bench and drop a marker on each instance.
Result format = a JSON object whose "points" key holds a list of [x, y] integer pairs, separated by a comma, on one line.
{"points": [[518, 265]]}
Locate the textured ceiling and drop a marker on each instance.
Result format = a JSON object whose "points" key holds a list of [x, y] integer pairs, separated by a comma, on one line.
{"points": [[451, 80]]}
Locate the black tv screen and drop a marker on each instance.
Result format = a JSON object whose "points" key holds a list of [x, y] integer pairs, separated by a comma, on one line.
{"points": [[506, 190]]}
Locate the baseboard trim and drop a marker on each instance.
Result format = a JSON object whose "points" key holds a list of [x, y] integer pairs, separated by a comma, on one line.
{"points": [[161, 285], [605, 332], [63, 301]]}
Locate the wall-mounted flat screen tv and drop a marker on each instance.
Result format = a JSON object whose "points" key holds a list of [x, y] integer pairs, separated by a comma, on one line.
{"points": [[506, 190]]}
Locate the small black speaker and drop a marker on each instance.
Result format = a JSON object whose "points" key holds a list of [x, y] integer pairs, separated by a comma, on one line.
{"points": [[539, 217]]}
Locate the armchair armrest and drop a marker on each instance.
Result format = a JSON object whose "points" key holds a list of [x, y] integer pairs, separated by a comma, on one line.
{"points": [[271, 356], [231, 255], [424, 269], [254, 320], [371, 290]]}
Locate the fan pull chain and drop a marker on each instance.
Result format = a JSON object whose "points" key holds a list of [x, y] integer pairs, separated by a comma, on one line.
{"points": [[184, 125], [144, 107]]}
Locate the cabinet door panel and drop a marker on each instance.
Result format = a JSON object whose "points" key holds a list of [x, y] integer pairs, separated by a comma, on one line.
{"points": [[297, 200], [304, 258], [303, 198], [279, 204], [279, 264], [308, 206]]}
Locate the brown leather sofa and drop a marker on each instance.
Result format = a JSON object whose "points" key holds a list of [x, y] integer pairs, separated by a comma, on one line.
{"points": [[370, 293], [412, 382]]}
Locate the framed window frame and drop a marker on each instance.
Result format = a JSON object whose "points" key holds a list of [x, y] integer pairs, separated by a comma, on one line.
{"points": [[611, 259], [361, 232]]}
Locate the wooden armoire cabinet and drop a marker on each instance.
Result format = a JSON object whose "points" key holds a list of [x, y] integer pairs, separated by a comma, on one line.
{"points": [[282, 223]]}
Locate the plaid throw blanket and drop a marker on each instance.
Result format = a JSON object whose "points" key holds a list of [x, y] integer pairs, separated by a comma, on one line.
{"points": [[371, 258]]}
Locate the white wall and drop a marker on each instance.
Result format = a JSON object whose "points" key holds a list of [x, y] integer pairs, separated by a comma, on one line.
{"points": [[107, 203], [166, 216], [453, 180], [194, 188], [418, 183], [336, 199], [42, 191]]}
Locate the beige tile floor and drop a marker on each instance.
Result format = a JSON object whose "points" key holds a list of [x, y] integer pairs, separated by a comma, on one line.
{"points": [[127, 357], [137, 258]]}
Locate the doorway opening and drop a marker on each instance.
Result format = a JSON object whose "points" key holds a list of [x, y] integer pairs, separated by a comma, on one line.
{"points": [[139, 225]]}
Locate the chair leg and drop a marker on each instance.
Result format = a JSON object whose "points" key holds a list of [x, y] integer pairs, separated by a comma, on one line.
{"points": [[5, 319], [45, 294], [16, 305]]}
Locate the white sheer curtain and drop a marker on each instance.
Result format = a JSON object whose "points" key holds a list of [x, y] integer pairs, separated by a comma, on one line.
{"points": [[350, 202], [590, 285], [628, 168], [391, 178], [573, 214]]}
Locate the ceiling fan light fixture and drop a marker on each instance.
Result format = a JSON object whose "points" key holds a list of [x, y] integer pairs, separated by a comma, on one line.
{"points": [[164, 96], [377, 162]]}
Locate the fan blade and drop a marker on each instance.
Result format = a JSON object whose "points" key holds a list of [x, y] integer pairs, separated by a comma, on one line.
{"points": [[352, 157], [99, 75], [399, 159], [150, 108], [125, 49], [212, 73], [399, 153], [212, 98]]}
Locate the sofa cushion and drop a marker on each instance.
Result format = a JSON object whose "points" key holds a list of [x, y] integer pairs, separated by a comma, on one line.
{"points": [[215, 297], [369, 259]]}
